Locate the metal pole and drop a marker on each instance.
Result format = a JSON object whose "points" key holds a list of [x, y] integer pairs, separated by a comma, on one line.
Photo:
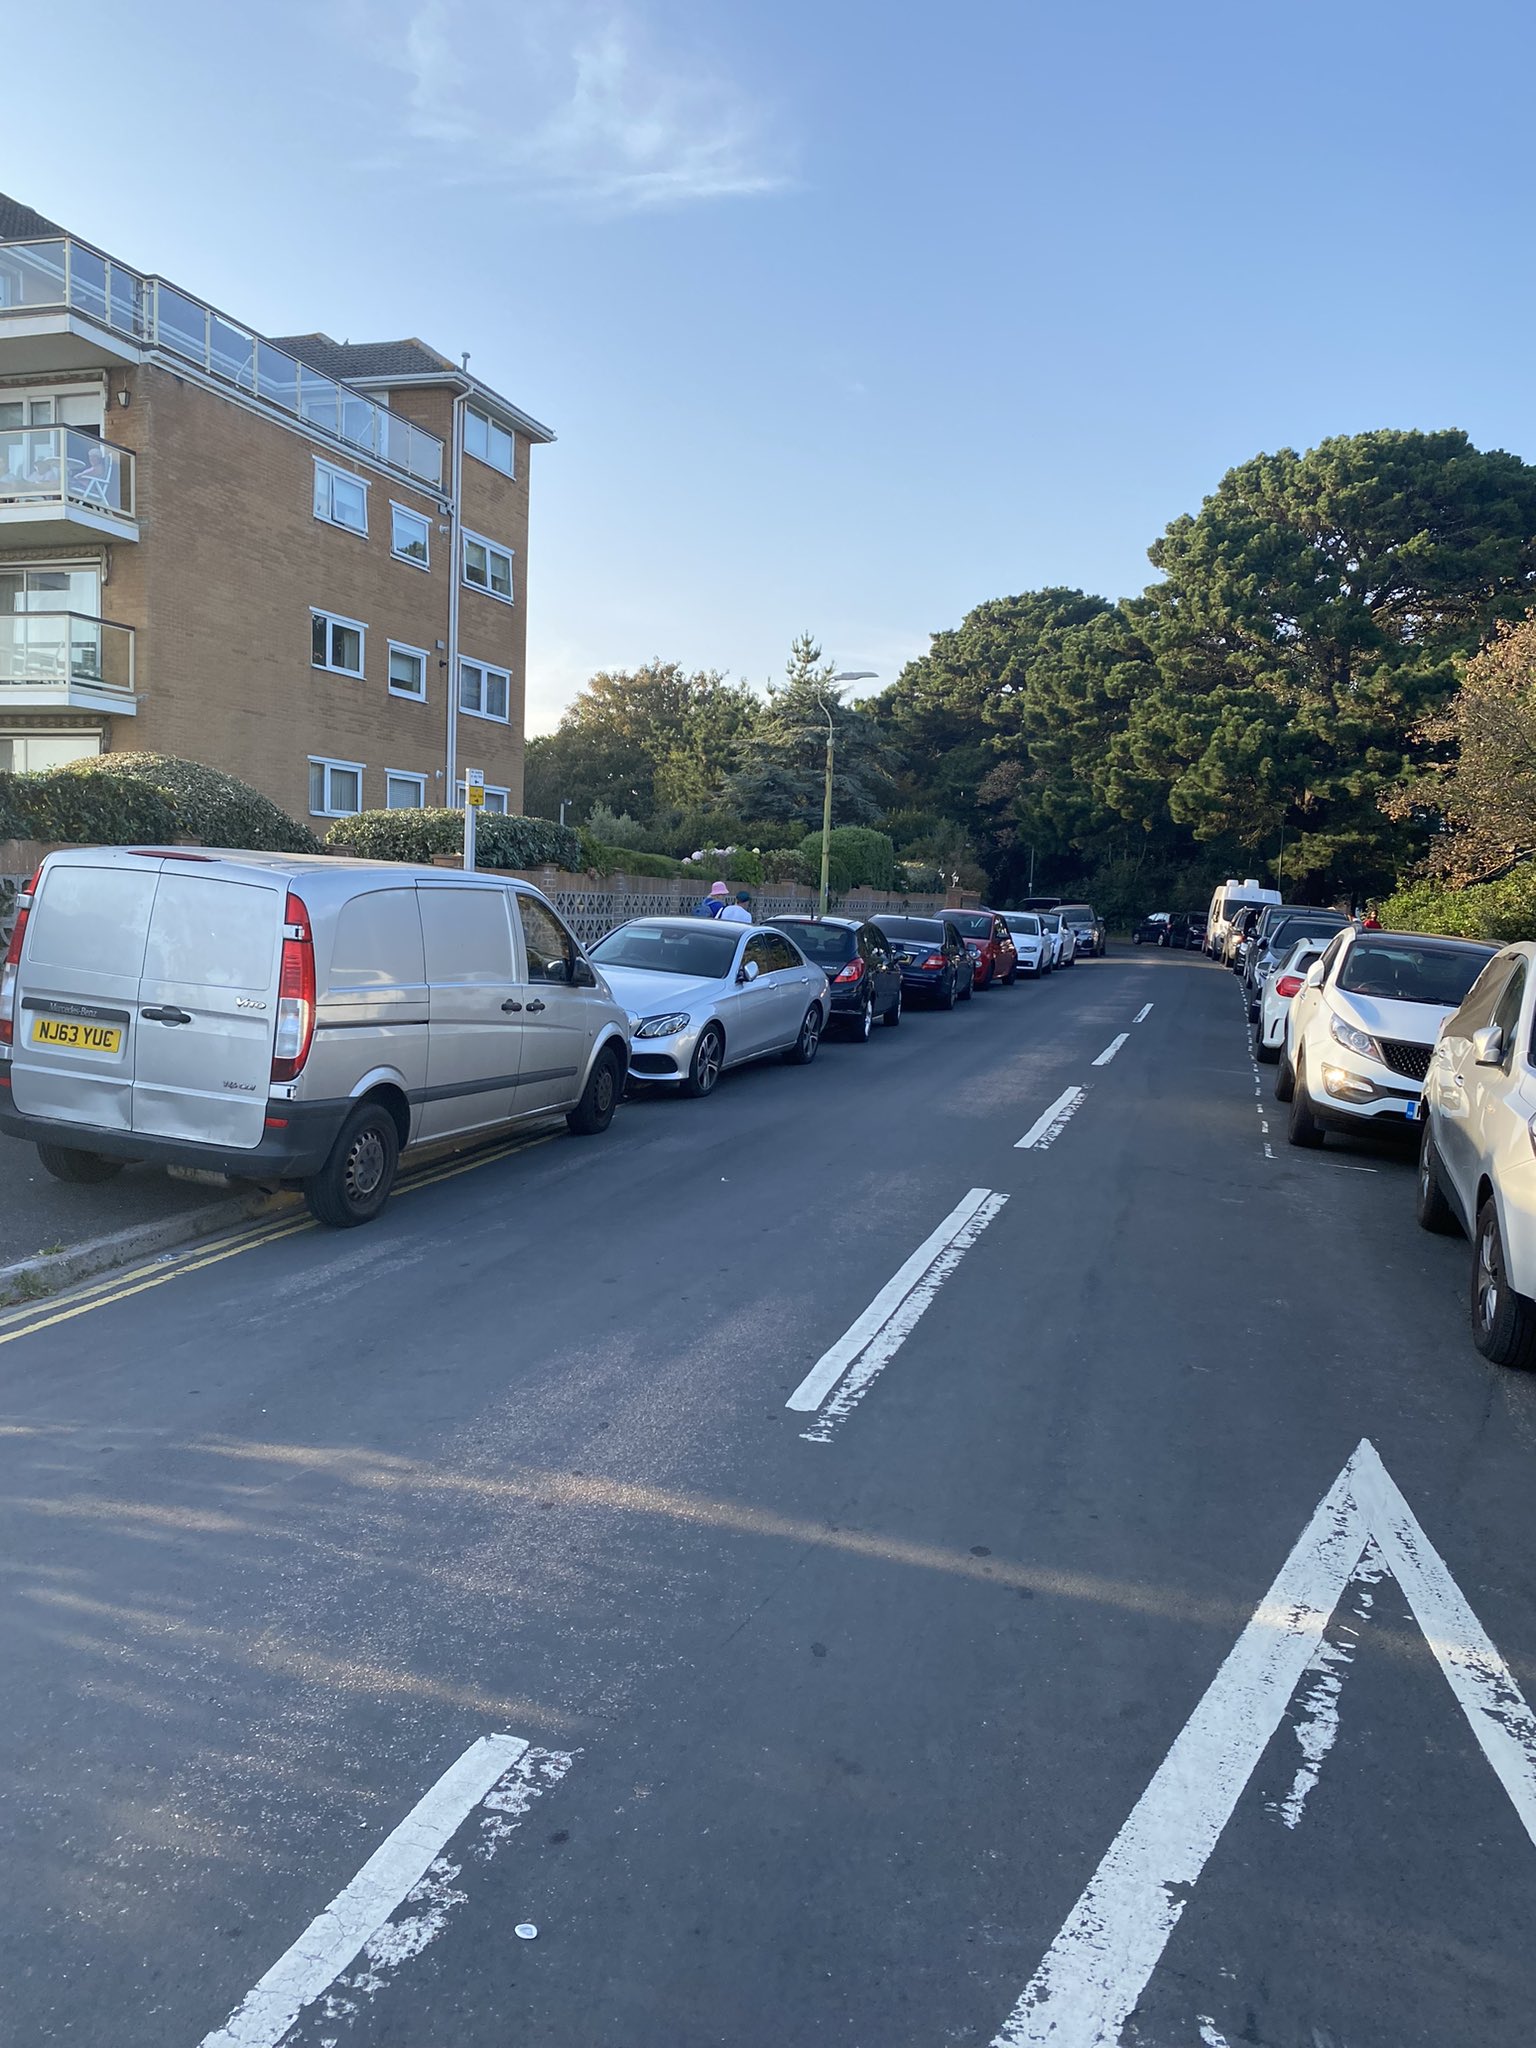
{"points": [[826, 819], [470, 815]]}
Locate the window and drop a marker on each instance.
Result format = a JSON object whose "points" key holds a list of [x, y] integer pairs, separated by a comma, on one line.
{"points": [[341, 499], [335, 788], [407, 672], [761, 954], [551, 949], [410, 535], [336, 644], [487, 567], [1507, 1018], [468, 937], [484, 692], [404, 791], [495, 799], [781, 956], [491, 443], [30, 753]]}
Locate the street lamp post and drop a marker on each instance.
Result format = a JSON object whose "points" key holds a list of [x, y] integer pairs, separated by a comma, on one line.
{"points": [[849, 675]]}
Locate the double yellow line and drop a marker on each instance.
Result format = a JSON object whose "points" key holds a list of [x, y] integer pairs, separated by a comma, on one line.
{"points": [[31, 1317]]}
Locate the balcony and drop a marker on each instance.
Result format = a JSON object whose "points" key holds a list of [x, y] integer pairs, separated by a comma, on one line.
{"points": [[57, 484], [60, 294], [64, 661]]}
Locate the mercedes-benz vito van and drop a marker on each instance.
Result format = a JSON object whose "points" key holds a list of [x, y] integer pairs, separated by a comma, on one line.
{"points": [[292, 1018]]}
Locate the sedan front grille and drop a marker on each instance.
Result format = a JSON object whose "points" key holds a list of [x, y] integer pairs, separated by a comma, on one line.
{"points": [[1403, 1057]]}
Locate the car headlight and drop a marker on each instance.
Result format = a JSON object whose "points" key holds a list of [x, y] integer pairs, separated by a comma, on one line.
{"points": [[664, 1027], [1354, 1038]]}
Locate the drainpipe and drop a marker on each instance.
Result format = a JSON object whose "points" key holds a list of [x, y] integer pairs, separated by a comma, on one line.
{"points": [[455, 570]]}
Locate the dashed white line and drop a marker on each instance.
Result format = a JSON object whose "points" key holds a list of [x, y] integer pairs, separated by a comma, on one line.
{"points": [[1049, 1126], [1142, 1014], [833, 1363], [1111, 1049]]}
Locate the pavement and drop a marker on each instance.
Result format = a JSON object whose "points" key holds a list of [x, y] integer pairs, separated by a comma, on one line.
{"points": [[39, 1214], [445, 1632]]}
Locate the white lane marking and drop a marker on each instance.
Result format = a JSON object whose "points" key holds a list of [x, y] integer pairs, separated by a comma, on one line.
{"points": [[832, 1364], [1209, 2036], [1142, 1014], [1098, 1966], [335, 1937], [1045, 1128], [1111, 1049], [889, 1339]]}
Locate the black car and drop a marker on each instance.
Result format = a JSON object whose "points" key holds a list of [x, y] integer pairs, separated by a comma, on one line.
{"points": [[1186, 930], [863, 979], [932, 956], [1153, 930]]}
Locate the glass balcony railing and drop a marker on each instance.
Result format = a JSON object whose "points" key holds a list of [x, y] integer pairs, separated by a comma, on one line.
{"points": [[65, 647], [35, 275], [48, 466]]}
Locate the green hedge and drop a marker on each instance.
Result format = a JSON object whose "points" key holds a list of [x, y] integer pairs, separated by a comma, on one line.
{"points": [[98, 812], [865, 857], [628, 860], [1496, 911], [113, 798], [500, 842]]}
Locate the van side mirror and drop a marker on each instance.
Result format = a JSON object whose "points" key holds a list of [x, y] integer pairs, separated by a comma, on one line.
{"points": [[1488, 1046], [583, 975]]}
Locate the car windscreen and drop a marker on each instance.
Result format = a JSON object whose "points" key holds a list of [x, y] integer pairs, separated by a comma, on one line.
{"points": [[1049, 921], [828, 945], [1290, 929], [926, 931], [1398, 971], [1023, 923], [669, 949], [1077, 913], [972, 924]]}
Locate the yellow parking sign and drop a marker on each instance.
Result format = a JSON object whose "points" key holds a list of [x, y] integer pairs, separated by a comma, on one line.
{"points": [[474, 789]]}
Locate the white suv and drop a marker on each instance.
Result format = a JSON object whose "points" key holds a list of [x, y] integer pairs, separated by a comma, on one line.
{"points": [[1362, 1028]]}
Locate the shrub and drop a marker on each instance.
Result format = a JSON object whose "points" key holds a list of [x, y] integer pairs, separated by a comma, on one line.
{"points": [[610, 828], [1496, 911], [94, 810], [865, 856], [913, 877], [627, 860], [745, 865], [206, 804], [500, 842], [785, 864]]}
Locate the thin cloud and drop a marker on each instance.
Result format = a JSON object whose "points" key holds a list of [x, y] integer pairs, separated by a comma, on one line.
{"points": [[571, 101]]}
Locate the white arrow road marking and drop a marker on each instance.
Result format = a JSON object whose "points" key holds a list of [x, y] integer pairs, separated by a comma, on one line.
{"points": [[1142, 1014], [1111, 1049], [499, 1772], [1098, 1966], [1045, 1129], [870, 1343]]}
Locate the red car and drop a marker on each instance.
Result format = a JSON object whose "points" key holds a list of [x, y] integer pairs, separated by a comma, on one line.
{"points": [[990, 945]]}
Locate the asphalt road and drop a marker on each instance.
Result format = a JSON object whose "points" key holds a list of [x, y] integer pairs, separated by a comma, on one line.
{"points": [[835, 1714]]}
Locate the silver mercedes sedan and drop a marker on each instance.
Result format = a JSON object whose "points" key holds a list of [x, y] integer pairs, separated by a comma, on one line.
{"points": [[704, 995]]}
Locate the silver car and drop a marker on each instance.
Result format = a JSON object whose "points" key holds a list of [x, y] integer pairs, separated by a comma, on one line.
{"points": [[703, 996]]}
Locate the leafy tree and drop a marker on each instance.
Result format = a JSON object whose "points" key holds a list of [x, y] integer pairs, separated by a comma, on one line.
{"points": [[782, 773], [865, 856]]}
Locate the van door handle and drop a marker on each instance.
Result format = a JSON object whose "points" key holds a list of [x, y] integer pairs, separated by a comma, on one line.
{"points": [[167, 1016], [536, 1004], [512, 1004]]}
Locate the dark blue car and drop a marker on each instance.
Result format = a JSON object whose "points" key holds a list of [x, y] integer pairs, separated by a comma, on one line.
{"points": [[932, 957]]}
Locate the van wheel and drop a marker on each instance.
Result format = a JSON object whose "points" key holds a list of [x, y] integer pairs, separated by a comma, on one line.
{"points": [[1503, 1322], [65, 1163], [1303, 1128], [599, 1099], [1431, 1208], [803, 1051], [708, 1059], [354, 1183]]}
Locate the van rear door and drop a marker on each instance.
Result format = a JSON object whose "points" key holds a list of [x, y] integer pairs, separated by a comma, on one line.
{"points": [[77, 992], [207, 1007]]}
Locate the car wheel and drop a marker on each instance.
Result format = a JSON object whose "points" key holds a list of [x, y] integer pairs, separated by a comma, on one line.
{"points": [[1503, 1322], [1266, 1055], [893, 1014], [803, 1051], [1431, 1208], [1013, 975], [1285, 1075], [948, 1000], [970, 990], [864, 1023], [354, 1183], [708, 1059], [1303, 1128], [599, 1099], [65, 1163], [1136, 940]]}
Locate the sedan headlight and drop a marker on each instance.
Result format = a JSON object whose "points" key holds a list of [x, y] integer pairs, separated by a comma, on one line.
{"points": [[1356, 1039], [664, 1027]]}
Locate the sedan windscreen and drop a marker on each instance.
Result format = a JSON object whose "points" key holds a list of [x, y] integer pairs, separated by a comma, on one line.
{"points": [[918, 931], [1401, 972], [971, 924], [1024, 925], [1294, 928], [669, 949], [829, 945]]}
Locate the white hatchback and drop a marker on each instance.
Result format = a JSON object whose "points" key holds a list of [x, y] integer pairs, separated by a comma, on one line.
{"points": [[1028, 942]]}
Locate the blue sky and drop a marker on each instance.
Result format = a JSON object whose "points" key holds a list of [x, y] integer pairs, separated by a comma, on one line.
{"points": [[848, 315]]}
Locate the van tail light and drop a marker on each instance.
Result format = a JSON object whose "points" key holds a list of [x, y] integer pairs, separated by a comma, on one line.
{"points": [[8, 972], [295, 994], [854, 971], [1288, 984], [934, 964]]}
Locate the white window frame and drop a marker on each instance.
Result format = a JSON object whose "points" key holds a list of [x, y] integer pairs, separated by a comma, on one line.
{"points": [[491, 547], [351, 767], [330, 471], [405, 775], [404, 647], [329, 668], [480, 413], [410, 513], [497, 810], [486, 668]]}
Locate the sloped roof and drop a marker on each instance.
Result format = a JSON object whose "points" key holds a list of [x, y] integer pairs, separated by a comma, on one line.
{"points": [[20, 223], [349, 359]]}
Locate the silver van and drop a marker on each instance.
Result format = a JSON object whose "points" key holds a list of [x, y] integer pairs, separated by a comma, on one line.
{"points": [[288, 1017]]}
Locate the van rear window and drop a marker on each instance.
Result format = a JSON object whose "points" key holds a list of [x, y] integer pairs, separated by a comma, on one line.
{"points": [[93, 919], [378, 942], [213, 934]]}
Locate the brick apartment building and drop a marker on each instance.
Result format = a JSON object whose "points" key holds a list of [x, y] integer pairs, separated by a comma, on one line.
{"points": [[296, 559]]}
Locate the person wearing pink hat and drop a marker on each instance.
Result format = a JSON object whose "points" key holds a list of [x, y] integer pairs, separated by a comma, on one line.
{"points": [[712, 904]]}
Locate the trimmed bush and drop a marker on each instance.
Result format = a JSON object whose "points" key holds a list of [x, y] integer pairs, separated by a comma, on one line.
{"points": [[500, 842], [97, 810], [785, 864], [204, 803], [626, 860], [866, 857]]}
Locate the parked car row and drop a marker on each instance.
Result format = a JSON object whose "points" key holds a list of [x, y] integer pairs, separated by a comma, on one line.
{"points": [[305, 1021], [1434, 1038]]}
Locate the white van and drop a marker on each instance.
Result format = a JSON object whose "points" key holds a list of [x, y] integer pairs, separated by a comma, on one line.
{"points": [[1229, 899], [288, 1017]]}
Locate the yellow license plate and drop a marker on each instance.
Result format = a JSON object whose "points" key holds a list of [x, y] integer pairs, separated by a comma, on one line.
{"points": [[67, 1035]]}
